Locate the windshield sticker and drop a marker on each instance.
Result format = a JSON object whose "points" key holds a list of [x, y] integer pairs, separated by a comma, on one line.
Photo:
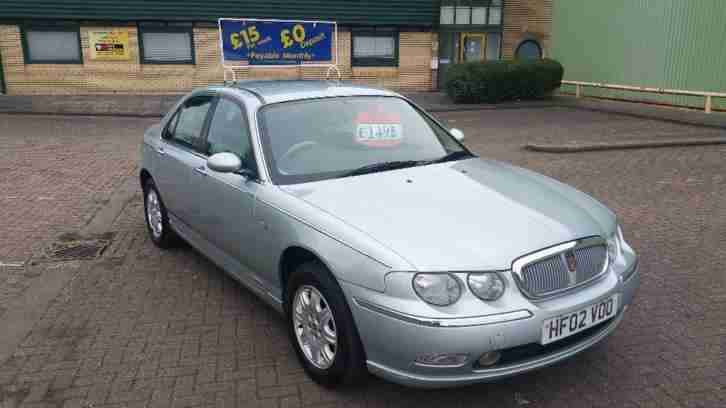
{"points": [[378, 129]]}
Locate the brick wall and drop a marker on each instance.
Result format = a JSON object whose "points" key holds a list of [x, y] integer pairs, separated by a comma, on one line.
{"points": [[130, 77], [526, 19]]}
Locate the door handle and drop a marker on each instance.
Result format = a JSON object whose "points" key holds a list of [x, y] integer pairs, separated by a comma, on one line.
{"points": [[201, 170], [161, 151]]}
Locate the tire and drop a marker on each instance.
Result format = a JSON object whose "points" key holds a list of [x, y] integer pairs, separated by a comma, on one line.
{"points": [[162, 235], [347, 365]]}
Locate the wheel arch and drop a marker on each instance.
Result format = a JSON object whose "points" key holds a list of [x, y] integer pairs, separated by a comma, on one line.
{"points": [[355, 362], [144, 175], [292, 257]]}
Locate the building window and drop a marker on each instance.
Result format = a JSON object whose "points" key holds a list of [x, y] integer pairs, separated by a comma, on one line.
{"points": [[495, 12], [463, 15], [494, 45], [166, 45], [529, 49], [471, 12], [447, 15], [52, 45], [373, 48], [479, 15]]}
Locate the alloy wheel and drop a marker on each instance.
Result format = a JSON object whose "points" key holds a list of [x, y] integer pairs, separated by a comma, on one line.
{"points": [[314, 327], [153, 213]]}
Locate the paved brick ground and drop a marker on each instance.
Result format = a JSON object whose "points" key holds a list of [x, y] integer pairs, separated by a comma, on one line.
{"points": [[55, 173], [564, 125], [145, 328]]}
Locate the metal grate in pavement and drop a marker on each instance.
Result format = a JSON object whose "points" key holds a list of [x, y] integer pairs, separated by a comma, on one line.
{"points": [[77, 249]]}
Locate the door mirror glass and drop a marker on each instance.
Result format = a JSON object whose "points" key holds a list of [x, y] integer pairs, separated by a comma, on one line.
{"points": [[224, 162], [458, 134]]}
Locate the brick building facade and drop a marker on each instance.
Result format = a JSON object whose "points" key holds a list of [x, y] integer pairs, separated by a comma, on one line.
{"points": [[49, 51]]}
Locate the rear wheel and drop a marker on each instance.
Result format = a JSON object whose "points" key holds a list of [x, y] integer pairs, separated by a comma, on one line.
{"points": [[157, 219], [321, 327]]}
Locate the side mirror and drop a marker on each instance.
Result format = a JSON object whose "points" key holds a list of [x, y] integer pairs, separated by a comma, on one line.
{"points": [[458, 134], [224, 162]]}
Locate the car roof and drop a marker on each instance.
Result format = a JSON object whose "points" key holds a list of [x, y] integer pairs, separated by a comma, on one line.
{"points": [[273, 91]]}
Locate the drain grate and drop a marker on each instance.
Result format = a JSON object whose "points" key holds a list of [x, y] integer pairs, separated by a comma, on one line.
{"points": [[77, 249]]}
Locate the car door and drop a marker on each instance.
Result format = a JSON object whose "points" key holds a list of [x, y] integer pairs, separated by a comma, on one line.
{"points": [[227, 199], [180, 153]]}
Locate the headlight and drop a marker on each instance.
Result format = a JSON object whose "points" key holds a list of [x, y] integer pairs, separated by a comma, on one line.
{"points": [[614, 245], [440, 289], [486, 286]]}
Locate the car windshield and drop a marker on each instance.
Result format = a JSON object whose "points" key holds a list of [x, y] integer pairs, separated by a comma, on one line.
{"points": [[318, 139]]}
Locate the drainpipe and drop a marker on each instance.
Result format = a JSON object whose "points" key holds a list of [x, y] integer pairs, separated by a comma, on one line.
{"points": [[2, 76]]}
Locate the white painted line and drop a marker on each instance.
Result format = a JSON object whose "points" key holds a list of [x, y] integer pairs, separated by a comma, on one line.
{"points": [[13, 264]]}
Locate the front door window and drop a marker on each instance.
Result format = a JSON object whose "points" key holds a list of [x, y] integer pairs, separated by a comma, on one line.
{"points": [[229, 132]]}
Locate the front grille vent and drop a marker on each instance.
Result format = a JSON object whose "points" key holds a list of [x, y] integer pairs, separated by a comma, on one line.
{"points": [[541, 276]]}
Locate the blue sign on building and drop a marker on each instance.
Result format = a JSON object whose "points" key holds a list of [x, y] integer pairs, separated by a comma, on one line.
{"points": [[261, 42]]}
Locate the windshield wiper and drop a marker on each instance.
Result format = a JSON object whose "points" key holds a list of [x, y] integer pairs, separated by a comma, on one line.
{"points": [[456, 155], [382, 166], [400, 164]]}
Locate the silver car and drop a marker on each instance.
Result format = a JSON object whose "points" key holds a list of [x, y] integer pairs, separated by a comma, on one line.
{"points": [[388, 246]]}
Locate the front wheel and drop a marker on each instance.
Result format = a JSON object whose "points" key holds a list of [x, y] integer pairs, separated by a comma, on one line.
{"points": [[321, 327]]}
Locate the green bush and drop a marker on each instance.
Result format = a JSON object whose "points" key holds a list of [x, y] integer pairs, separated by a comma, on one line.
{"points": [[496, 81]]}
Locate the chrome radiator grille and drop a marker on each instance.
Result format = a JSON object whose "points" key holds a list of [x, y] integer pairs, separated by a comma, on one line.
{"points": [[562, 267]]}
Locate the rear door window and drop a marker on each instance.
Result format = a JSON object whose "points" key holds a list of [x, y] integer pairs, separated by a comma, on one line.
{"points": [[187, 127]]}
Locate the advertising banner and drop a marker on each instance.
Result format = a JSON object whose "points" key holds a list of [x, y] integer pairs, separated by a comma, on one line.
{"points": [[109, 45], [264, 42]]}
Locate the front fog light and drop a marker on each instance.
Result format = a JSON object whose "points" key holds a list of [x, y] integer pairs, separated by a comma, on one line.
{"points": [[442, 359], [489, 358], [440, 289], [487, 286]]}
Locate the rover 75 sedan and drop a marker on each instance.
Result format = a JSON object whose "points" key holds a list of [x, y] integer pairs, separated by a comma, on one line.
{"points": [[386, 244]]}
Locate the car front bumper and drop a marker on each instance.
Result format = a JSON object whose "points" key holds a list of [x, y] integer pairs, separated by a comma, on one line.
{"points": [[393, 341]]}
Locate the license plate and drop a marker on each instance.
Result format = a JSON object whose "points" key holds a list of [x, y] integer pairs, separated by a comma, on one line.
{"points": [[559, 327]]}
